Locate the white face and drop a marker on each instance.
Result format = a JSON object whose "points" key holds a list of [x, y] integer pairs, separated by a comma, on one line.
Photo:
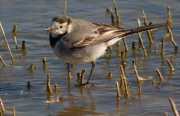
{"points": [[58, 28]]}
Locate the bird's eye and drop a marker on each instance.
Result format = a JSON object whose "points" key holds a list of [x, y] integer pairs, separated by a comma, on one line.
{"points": [[61, 26]]}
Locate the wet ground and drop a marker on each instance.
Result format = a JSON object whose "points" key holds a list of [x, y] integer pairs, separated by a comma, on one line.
{"points": [[32, 17]]}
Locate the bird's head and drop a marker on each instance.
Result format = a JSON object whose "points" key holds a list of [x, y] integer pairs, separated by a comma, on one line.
{"points": [[60, 25]]}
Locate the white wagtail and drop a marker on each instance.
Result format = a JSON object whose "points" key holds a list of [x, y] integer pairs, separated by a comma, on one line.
{"points": [[77, 41]]}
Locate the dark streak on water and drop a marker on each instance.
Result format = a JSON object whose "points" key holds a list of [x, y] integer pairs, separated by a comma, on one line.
{"points": [[32, 17]]}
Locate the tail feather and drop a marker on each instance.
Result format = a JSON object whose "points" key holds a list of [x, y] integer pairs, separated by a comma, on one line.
{"points": [[144, 28]]}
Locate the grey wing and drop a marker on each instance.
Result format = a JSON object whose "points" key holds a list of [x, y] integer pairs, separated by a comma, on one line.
{"points": [[103, 33]]}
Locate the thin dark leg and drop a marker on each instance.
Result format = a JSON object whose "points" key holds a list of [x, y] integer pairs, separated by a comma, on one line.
{"points": [[93, 65], [68, 67]]}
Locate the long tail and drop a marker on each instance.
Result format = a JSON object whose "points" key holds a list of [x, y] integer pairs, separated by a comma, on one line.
{"points": [[144, 28]]}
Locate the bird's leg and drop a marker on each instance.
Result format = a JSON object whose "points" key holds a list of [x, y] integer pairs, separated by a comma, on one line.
{"points": [[68, 67], [69, 74], [90, 75]]}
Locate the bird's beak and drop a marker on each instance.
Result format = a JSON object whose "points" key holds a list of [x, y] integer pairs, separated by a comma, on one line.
{"points": [[48, 29]]}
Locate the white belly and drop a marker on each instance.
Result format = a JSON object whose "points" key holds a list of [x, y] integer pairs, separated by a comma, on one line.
{"points": [[79, 56]]}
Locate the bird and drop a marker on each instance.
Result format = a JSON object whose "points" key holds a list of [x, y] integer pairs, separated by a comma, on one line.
{"points": [[76, 41]]}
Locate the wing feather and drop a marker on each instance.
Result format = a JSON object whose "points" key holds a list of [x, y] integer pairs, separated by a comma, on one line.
{"points": [[103, 33]]}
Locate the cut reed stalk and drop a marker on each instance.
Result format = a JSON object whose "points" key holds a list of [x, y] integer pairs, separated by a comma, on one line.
{"points": [[15, 34], [170, 65], [140, 40], [65, 5], [23, 45], [172, 38], [125, 45], [134, 46], [28, 85], [56, 88], [162, 49], [159, 74], [82, 76], [9, 49], [110, 75], [118, 21], [32, 67], [173, 106], [112, 17], [49, 90], [3, 62], [108, 9], [144, 17], [2, 106], [78, 78], [14, 111], [117, 90], [44, 60], [169, 15]]}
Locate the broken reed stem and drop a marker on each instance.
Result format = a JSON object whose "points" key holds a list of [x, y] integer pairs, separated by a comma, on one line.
{"points": [[108, 9], [169, 15], [117, 14], [28, 85], [159, 74], [125, 44], [23, 45], [137, 76], [82, 76], [15, 40], [166, 113], [122, 55], [173, 106], [125, 81], [56, 88], [139, 89], [171, 37], [44, 60], [170, 65], [32, 67], [138, 22], [110, 75], [146, 24], [15, 33], [14, 111], [162, 49], [65, 4], [2, 106], [122, 83], [118, 49], [134, 46], [117, 90], [122, 72], [134, 64], [112, 16], [79, 78], [156, 51], [69, 73], [144, 17], [140, 40], [12, 58], [150, 36], [3, 62], [49, 90]]}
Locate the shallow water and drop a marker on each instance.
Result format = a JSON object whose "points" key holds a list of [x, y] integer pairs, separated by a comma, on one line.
{"points": [[32, 17]]}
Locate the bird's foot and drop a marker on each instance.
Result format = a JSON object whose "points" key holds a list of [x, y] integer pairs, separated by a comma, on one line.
{"points": [[87, 83]]}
